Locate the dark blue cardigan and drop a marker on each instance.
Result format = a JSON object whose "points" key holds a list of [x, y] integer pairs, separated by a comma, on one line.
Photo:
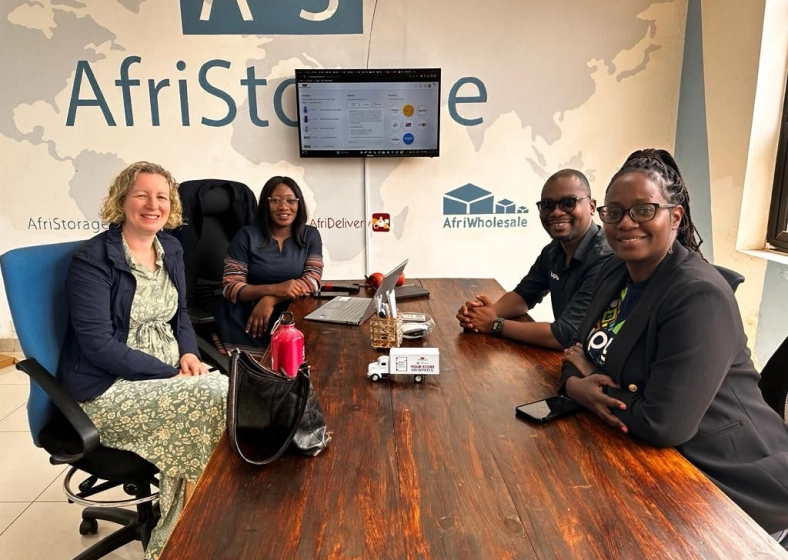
{"points": [[100, 289]]}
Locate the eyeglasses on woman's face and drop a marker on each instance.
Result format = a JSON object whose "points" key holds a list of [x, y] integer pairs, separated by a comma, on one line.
{"points": [[567, 204], [276, 202], [644, 212]]}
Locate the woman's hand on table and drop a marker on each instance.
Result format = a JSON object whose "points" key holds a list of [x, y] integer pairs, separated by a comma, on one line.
{"points": [[290, 289], [575, 356], [257, 325], [589, 393]]}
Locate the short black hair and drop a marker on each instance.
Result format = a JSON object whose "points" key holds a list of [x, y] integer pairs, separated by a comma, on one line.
{"points": [[569, 173], [263, 216]]}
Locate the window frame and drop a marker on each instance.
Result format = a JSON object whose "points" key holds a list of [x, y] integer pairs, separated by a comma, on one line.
{"points": [[777, 231]]}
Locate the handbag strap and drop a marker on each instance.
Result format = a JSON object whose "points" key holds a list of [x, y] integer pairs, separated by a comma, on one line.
{"points": [[301, 382]]}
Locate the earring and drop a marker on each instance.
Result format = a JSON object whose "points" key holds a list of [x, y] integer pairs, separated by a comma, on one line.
{"points": [[670, 251]]}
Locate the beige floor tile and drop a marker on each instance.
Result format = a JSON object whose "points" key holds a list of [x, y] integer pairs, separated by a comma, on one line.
{"points": [[9, 511], [54, 492], [24, 539], [11, 398], [25, 471], [16, 421], [12, 376]]}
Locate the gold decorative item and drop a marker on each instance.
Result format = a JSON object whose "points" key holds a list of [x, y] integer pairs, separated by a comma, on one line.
{"points": [[386, 332]]}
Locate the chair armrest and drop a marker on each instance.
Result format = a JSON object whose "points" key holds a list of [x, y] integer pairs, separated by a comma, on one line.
{"points": [[66, 404], [207, 349], [200, 316], [203, 301]]}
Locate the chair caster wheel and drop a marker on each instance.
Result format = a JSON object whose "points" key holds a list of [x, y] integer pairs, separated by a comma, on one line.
{"points": [[88, 527]]}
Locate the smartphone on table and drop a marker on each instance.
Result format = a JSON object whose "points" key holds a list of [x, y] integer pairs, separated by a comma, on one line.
{"points": [[547, 409]]}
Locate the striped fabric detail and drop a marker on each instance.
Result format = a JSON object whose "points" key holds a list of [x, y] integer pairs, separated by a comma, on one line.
{"points": [[235, 272], [313, 272], [233, 278], [255, 352]]}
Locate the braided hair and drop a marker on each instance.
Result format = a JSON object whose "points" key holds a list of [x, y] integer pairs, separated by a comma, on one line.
{"points": [[660, 168]]}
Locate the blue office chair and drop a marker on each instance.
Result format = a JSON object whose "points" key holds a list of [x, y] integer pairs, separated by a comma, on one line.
{"points": [[34, 280], [731, 276]]}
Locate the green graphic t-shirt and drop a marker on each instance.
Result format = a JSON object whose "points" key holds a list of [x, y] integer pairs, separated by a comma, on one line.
{"points": [[611, 321]]}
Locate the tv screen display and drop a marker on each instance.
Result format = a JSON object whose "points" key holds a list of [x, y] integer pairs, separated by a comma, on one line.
{"points": [[369, 113]]}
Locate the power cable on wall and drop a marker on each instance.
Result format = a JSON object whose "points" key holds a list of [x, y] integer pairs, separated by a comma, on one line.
{"points": [[367, 228]]}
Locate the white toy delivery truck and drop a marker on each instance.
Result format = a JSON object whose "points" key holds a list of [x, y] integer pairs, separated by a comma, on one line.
{"points": [[406, 361]]}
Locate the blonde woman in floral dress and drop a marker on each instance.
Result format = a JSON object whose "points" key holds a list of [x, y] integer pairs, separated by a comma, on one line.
{"points": [[130, 356]]}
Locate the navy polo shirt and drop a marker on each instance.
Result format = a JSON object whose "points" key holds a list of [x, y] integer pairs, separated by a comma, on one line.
{"points": [[570, 286]]}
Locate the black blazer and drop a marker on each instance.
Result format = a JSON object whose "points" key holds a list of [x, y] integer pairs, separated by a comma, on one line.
{"points": [[100, 289], [685, 374]]}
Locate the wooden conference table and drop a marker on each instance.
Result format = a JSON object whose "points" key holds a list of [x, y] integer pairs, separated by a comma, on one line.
{"points": [[443, 469]]}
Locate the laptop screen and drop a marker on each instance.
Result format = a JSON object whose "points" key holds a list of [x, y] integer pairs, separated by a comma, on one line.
{"points": [[389, 282]]}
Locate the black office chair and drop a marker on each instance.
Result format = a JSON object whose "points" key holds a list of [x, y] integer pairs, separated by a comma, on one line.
{"points": [[733, 278], [34, 280], [774, 381], [213, 210]]}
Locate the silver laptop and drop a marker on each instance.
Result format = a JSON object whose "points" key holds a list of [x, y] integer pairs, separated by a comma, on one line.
{"points": [[355, 310]]}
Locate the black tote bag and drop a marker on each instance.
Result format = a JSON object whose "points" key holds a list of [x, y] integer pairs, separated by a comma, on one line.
{"points": [[269, 413]]}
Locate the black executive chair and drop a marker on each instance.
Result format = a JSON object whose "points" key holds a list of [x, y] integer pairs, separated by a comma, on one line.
{"points": [[213, 210], [774, 381], [733, 277], [34, 280]]}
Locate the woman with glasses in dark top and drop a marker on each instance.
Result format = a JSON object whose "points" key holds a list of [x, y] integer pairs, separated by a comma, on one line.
{"points": [[278, 259], [662, 353]]}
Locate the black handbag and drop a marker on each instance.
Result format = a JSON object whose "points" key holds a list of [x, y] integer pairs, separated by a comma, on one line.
{"points": [[269, 413]]}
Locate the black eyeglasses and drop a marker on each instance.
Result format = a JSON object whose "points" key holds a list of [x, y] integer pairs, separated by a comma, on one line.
{"points": [[567, 204], [643, 212]]}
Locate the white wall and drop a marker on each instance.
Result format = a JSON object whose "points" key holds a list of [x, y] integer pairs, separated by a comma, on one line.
{"points": [[745, 65], [567, 84]]}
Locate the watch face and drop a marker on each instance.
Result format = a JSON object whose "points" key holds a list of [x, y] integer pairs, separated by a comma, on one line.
{"points": [[497, 326]]}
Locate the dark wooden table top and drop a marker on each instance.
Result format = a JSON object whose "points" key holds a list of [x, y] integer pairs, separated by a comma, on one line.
{"points": [[443, 469]]}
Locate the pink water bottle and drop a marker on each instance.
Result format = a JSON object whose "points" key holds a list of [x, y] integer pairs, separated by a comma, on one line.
{"points": [[287, 346]]}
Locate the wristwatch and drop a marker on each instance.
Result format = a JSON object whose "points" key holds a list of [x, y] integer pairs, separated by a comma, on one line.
{"points": [[497, 327]]}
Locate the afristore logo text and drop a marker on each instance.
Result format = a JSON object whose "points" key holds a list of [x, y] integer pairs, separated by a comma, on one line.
{"points": [[271, 17], [471, 206]]}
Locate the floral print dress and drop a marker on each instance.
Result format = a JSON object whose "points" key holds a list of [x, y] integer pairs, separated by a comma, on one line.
{"points": [[173, 423]]}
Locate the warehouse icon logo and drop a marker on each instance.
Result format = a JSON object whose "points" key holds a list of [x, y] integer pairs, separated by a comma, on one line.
{"points": [[471, 206], [271, 17]]}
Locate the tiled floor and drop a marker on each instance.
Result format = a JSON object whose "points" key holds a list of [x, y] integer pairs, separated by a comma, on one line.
{"points": [[36, 521]]}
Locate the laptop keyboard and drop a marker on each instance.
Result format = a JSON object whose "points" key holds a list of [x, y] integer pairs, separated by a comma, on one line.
{"points": [[352, 310]]}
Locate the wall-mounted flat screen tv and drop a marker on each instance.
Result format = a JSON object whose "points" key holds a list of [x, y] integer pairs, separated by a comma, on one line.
{"points": [[369, 113]]}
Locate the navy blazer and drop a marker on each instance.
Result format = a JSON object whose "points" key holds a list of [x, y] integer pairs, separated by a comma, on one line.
{"points": [[684, 371], [100, 289]]}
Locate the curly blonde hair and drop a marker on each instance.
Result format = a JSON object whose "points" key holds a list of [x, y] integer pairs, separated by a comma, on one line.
{"points": [[112, 205]]}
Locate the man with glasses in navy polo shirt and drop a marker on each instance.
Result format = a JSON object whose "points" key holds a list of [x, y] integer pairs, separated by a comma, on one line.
{"points": [[566, 269]]}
